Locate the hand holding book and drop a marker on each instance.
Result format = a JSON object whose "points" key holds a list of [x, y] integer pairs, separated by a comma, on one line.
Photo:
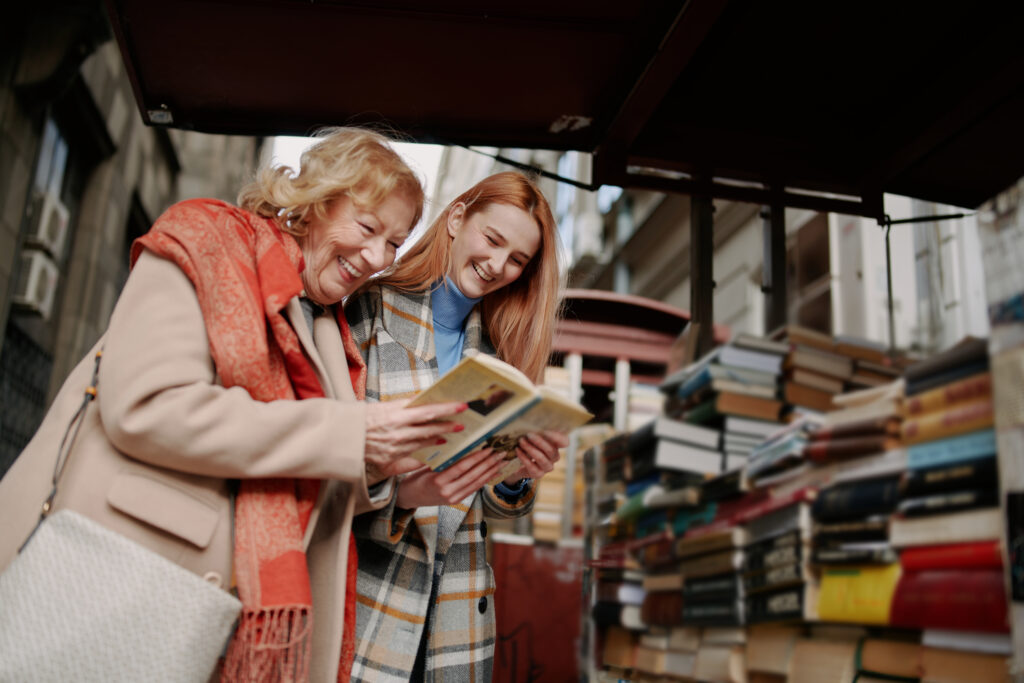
{"points": [[426, 487]]}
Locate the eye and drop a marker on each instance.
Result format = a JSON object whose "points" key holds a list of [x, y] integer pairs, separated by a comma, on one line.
{"points": [[367, 229], [395, 245], [493, 241]]}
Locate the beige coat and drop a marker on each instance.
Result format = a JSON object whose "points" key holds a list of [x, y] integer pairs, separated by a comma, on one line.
{"points": [[155, 452]]}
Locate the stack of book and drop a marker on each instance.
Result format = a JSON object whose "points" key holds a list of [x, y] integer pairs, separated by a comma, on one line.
{"points": [[777, 579], [740, 378], [819, 366], [721, 655], [948, 523], [712, 587], [780, 456], [670, 652]]}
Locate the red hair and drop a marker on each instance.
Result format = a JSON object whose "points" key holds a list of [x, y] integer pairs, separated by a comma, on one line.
{"points": [[519, 318]]}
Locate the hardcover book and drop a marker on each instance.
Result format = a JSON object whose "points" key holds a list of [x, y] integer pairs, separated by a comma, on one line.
{"points": [[676, 430], [960, 391], [963, 599], [959, 418], [983, 524], [977, 474], [953, 450], [862, 595], [504, 405]]}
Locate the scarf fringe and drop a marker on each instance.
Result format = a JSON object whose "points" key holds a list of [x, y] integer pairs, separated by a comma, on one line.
{"points": [[271, 644]]}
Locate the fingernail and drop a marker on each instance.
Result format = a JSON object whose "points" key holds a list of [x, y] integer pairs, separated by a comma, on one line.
{"points": [[459, 427], [463, 406], [440, 441]]}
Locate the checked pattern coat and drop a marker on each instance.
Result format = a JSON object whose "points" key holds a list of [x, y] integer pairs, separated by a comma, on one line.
{"points": [[409, 558]]}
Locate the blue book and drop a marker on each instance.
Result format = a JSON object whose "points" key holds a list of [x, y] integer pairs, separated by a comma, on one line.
{"points": [[640, 485], [694, 383], [956, 449]]}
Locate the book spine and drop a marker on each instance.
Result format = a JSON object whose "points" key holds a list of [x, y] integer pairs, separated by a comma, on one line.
{"points": [[824, 451], [776, 557], [978, 474], [691, 384], [956, 419], [941, 503], [955, 449], [984, 555], [786, 603], [776, 577], [854, 556], [948, 376], [873, 426], [960, 391], [973, 351], [857, 499], [965, 600]]}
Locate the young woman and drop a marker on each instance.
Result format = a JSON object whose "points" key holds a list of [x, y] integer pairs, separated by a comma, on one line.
{"points": [[227, 358], [484, 278]]}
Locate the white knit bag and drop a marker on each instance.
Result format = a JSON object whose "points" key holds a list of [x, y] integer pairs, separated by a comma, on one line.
{"points": [[83, 603]]}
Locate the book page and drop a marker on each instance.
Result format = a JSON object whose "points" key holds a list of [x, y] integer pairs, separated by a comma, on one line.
{"points": [[492, 396], [553, 412]]}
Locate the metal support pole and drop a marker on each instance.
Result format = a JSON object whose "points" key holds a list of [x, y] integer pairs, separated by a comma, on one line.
{"points": [[702, 284], [773, 271], [574, 364], [888, 281], [620, 416]]}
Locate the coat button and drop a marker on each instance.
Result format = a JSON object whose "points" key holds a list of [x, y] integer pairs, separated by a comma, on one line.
{"points": [[482, 605], [483, 528]]}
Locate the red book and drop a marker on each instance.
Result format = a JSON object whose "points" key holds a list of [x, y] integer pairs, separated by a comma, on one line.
{"points": [[847, 447], [983, 555], [958, 599]]}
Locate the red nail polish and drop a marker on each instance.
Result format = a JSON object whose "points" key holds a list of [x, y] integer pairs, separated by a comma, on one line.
{"points": [[440, 441], [459, 427]]}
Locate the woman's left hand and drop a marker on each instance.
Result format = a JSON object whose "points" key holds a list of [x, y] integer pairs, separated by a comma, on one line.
{"points": [[538, 452]]}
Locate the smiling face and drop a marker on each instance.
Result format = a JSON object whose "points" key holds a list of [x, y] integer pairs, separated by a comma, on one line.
{"points": [[351, 243], [491, 247]]}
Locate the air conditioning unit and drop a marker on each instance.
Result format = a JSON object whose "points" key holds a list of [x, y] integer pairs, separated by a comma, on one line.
{"points": [[49, 226], [37, 283]]}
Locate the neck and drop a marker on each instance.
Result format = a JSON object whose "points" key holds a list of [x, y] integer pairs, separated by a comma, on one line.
{"points": [[450, 306]]}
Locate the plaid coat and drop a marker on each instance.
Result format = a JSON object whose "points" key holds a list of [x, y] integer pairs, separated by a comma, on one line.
{"points": [[409, 558]]}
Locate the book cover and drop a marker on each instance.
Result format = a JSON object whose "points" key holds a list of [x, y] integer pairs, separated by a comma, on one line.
{"points": [[759, 390], [952, 450], [713, 563], [717, 587], [960, 391], [963, 599], [868, 529], [823, 661], [862, 595], [855, 554], [662, 608], [981, 555], [727, 613], [776, 577], [503, 406]]}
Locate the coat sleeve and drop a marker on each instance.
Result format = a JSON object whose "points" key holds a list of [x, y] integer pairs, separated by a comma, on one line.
{"points": [[160, 401], [497, 507], [385, 526]]}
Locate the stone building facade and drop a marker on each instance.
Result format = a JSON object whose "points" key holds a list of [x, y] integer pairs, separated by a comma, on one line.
{"points": [[80, 177]]}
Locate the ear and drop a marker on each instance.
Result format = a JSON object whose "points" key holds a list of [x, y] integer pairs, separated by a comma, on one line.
{"points": [[455, 218]]}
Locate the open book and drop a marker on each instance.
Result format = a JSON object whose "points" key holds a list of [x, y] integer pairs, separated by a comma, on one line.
{"points": [[504, 405]]}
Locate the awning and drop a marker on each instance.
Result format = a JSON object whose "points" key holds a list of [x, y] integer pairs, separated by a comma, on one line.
{"points": [[748, 100]]}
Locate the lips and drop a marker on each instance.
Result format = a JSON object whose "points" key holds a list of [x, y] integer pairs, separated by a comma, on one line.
{"points": [[349, 268], [483, 276]]}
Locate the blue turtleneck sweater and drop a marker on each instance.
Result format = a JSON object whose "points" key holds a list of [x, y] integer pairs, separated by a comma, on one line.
{"points": [[451, 308]]}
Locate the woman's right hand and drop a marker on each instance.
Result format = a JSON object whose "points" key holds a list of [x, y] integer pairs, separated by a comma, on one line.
{"points": [[425, 487], [394, 431]]}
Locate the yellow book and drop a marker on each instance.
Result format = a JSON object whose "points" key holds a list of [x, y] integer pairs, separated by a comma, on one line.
{"points": [[958, 418], [504, 405], [861, 595]]}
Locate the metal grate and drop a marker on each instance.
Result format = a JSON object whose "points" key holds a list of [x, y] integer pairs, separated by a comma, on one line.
{"points": [[24, 378]]}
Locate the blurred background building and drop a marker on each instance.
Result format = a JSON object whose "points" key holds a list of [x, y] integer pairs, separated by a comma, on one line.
{"points": [[80, 177]]}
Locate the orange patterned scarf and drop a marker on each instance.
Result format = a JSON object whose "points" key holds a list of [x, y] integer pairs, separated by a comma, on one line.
{"points": [[245, 270]]}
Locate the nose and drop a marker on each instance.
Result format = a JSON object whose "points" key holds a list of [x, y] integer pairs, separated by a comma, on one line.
{"points": [[377, 254]]}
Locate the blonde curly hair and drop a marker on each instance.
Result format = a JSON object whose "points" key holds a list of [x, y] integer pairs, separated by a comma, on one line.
{"points": [[345, 162]]}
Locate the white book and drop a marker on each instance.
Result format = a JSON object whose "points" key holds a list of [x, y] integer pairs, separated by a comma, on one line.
{"points": [[971, 641], [682, 457], [752, 360], [684, 638], [984, 524], [750, 426], [879, 465], [668, 428]]}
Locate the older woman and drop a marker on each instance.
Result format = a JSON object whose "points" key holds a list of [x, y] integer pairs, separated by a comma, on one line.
{"points": [[484, 278], [228, 358]]}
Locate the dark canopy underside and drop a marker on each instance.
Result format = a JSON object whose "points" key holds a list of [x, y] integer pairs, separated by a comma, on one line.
{"points": [[750, 100]]}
